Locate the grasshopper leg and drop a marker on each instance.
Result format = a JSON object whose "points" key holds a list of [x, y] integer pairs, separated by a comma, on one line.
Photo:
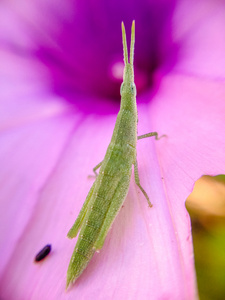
{"points": [[137, 180], [79, 220]]}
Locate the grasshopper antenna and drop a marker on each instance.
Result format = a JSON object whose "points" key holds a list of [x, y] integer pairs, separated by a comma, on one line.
{"points": [[132, 43], [125, 52]]}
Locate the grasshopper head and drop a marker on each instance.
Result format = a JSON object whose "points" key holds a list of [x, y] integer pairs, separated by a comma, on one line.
{"points": [[128, 86]]}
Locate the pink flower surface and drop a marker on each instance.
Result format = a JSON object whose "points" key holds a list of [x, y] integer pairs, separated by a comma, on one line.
{"points": [[60, 73]]}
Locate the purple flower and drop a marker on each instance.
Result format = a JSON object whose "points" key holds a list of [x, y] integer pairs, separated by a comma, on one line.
{"points": [[60, 74]]}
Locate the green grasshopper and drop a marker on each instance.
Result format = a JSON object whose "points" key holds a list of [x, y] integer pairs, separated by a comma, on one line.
{"points": [[110, 188]]}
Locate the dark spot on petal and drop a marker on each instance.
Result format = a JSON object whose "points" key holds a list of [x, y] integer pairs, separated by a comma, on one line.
{"points": [[43, 253]]}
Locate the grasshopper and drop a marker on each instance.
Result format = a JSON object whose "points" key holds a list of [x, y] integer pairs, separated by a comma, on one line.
{"points": [[110, 188]]}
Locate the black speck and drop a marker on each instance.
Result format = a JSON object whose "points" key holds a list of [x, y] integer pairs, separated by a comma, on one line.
{"points": [[43, 253]]}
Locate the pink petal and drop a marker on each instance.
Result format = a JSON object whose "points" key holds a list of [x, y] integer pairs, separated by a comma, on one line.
{"points": [[199, 35]]}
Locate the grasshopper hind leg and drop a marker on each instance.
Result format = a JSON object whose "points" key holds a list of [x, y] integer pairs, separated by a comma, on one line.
{"points": [[79, 221]]}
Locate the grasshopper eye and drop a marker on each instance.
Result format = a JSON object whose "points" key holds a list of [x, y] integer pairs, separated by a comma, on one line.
{"points": [[133, 89], [121, 89]]}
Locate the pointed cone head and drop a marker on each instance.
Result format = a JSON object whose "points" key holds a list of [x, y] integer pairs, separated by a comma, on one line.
{"points": [[125, 51], [128, 75]]}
